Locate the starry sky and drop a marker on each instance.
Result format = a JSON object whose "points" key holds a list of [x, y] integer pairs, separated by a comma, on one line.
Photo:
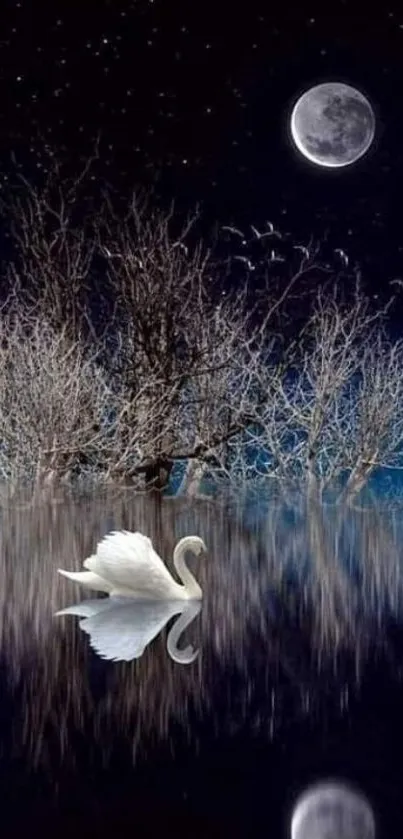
{"points": [[194, 98]]}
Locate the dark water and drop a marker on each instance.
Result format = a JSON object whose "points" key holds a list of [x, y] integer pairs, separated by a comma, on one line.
{"points": [[298, 677]]}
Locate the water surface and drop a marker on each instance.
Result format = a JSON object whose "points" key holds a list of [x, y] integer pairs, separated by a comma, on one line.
{"points": [[298, 676]]}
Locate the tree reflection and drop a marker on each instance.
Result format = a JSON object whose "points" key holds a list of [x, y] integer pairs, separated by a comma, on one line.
{"points": [[289, 616]]}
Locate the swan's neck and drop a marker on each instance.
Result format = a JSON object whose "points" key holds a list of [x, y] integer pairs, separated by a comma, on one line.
{"points": [[187, 655], [191, 586]]}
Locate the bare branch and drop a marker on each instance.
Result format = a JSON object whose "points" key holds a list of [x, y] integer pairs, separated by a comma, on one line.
{"points": [[330, 406]]}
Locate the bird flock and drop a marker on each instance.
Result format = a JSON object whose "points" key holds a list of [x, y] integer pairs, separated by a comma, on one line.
{"points": [[273, 256]]}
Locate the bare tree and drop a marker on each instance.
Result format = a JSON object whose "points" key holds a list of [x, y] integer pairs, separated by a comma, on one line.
{"points": [[221, 403], [172, 329], [215, 399], [185, 371], [331, 407], [53, 398], [156, 282], [57, 410], [373, 435], [52, 257]]}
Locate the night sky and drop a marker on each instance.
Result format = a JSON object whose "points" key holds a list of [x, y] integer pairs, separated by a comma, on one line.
{"points": [[194, 98]]}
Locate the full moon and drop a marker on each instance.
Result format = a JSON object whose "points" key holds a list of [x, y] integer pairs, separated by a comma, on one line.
{"points": [[332, 811], [332, 124]]}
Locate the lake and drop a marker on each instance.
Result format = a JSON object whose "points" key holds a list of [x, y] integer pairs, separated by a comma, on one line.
{"points": [[298, 676]]}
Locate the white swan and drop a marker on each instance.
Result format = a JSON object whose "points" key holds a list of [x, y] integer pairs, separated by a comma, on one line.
{"points": [[126, 565], [120, 629]]}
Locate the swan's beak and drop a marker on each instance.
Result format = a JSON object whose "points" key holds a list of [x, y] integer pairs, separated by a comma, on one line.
{"points": [[203, 549]]}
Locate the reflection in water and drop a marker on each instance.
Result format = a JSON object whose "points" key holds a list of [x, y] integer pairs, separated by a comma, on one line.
{"points": [[120, 629], [290, 618], [331, 810]]}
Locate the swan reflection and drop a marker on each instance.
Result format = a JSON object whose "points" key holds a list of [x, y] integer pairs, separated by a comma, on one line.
{"points": [[120, 629]]}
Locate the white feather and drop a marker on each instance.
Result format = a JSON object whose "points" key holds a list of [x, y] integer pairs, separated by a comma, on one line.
{"points": [[126, 564], [120, 629]]}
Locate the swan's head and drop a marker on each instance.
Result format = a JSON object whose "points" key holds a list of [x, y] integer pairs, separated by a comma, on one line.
{"points": [[193, 544]]}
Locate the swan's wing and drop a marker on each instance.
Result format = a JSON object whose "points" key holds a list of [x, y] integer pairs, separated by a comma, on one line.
{"points": [[86, 608], [89, 579], [129, 561], [122, 632], [90, 562]]}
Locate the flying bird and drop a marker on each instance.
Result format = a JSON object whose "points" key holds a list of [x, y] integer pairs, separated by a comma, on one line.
{"points": [[270, 232], [234, 231], [270, 226], [246, 261], [275, 257], [182, 246], [342, 255], [303, 250]]}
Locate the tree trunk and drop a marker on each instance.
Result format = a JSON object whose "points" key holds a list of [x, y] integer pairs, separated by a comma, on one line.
{"points": [[192, 478], [356, 482], [157, 475]]}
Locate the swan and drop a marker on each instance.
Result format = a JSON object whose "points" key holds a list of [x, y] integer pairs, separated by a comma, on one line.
{"points": [[120, 629], [126, 565]]}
